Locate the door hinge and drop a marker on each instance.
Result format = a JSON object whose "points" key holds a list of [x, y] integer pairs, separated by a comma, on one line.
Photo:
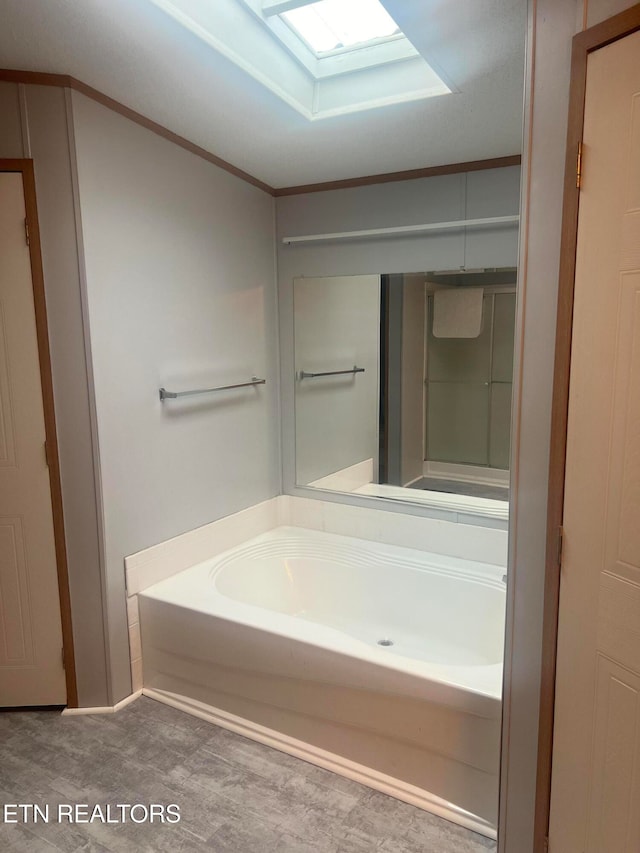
{"points": [[579, 166], [62, 650], [26, 232], [560, 544], [47, 456], [545, 846]]}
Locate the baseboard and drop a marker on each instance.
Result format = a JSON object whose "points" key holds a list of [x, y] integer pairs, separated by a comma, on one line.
{"points": [[327, 760], [103, 709]]}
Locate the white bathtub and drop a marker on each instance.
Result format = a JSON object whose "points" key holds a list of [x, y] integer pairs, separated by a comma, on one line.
{"points": [[382, 663]]}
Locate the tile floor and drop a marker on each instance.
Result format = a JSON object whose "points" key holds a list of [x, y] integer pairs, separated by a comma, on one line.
{"points": [[235, 795]]}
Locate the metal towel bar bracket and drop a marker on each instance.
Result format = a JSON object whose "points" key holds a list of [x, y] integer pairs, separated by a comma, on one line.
{"points": [[306, 375], [171, 395]]}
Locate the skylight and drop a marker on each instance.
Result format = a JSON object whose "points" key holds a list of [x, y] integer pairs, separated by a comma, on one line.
{"points": [[330, 25], [323, 58]]}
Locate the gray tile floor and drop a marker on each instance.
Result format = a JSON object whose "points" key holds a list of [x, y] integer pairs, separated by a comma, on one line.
{"points": [[234, 795]]}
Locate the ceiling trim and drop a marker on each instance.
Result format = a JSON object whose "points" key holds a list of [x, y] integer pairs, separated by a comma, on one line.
{"points": [[39, 78], [407, 175], [66, 81]]}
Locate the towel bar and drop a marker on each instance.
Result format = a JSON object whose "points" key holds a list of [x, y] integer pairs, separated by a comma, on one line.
{"points": [[171, 395], [306, 375]]}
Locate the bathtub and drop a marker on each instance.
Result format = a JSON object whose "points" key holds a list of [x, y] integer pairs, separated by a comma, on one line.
{"points": [[381, 663]]}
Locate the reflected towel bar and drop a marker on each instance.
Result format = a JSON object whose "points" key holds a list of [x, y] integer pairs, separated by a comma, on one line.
{"points": [[171, 395], [305, 375]]}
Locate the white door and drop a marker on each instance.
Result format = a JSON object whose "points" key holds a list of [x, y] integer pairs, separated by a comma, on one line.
{"points": [[31, 671], [595, 791]]}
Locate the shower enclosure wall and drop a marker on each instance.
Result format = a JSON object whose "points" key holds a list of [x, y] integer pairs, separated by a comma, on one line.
{"points": [[468, 390]]}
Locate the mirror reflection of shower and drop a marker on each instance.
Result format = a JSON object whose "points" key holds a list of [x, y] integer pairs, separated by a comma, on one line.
{"points": [[403, 385], [445, 405]]}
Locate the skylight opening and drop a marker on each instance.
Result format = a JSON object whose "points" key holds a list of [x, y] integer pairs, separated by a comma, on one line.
{"points": [[331, 25]]}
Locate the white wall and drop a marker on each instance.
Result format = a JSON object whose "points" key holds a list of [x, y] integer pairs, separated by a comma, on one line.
{"points": [[181, 293], [337, 326], [493, 192], [533, 376]]}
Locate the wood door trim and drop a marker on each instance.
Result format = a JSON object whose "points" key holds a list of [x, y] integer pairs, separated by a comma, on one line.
{"points": [[65, 81], [25, 167], [584, 43]]}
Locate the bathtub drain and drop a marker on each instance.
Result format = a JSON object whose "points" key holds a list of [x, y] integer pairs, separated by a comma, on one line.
{"points": [[385, 641]]}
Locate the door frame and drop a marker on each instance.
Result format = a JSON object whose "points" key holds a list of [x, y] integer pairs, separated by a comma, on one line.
{"points": [[600, 35], [25, 168]]}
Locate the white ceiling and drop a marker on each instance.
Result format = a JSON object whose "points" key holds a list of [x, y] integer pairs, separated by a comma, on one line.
{"points": [[135, 53]]}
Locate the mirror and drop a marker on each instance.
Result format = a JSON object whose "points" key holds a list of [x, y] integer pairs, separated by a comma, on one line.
{"points": [[403, 386]]}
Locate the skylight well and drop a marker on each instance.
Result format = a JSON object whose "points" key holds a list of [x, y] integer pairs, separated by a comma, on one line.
{"points": [[324, 58], [330, 25], [353, 51]]}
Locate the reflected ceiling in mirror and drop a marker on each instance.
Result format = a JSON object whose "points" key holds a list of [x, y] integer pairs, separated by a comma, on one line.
{"points": [[403, 386]]}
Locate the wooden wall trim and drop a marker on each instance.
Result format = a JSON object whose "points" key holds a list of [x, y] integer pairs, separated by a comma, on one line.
{"points": [[584, 43], [37, 276], [37, 78], [614, 28], [407, 175], [153, 126], [65, 81]]}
